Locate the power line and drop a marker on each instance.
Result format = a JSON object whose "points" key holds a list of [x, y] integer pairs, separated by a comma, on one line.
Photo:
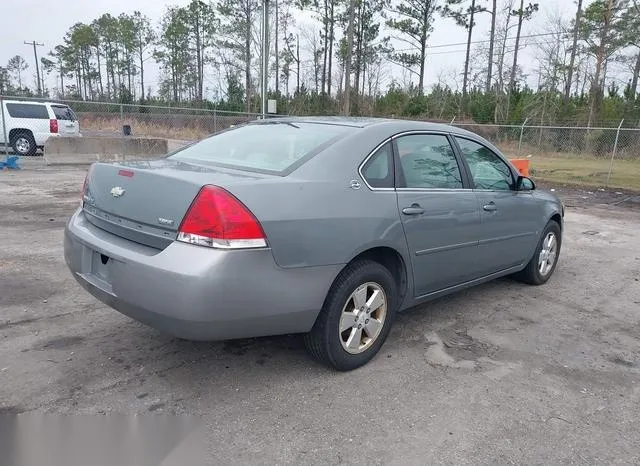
{"points": [[35, 54], [457, 44]]}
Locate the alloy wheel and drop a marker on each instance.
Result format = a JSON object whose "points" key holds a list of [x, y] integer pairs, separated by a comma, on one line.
{"points": [[362, 318], [548, 254]]}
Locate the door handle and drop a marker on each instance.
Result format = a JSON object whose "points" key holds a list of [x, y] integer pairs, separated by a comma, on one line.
{"points": [[490, 207], [415, 209]]}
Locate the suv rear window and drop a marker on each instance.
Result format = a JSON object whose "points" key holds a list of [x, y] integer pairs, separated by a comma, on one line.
{"points": [[38, 112], [63, 113], [274, 147]]}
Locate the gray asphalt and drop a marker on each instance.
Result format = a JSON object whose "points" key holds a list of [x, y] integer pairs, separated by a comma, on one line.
{"points": [[500, 374]]}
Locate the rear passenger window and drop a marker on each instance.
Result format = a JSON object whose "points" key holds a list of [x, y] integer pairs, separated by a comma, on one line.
{"points": [[63, 113], [38, 112], [378, 171], [428, 161]]}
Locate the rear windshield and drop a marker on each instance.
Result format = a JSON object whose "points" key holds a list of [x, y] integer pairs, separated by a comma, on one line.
{"points": [[63, 113], [274, 147], [38, 112]]}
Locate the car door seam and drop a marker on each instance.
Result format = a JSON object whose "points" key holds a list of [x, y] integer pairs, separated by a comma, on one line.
{"points": [[505, 238], [449, 247]]}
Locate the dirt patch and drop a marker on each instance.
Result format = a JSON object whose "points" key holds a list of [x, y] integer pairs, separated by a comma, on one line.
{"points": [[623, 360], [11, 410], [22, 289], [582, 197], [454, 347], [60, 343], [461, 345]]}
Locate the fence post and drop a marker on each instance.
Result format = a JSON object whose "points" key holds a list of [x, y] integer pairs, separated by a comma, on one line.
{"points": [[521, 134], [4, 128], [122, 131], [615, 149], [215, 121]]}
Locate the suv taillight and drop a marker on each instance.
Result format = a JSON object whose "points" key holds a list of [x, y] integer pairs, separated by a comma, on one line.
{"points": [[217, 219], [53, 126]]}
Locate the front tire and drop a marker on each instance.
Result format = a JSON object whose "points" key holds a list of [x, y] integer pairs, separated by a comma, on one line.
{"points": [[545, 259], [24, 144], [356, 317]]}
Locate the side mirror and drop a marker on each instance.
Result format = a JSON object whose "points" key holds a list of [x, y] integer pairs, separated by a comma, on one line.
{"points": [[525, 184]]}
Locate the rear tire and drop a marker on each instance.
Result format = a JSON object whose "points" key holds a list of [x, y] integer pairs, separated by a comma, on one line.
{"points": [[545, 258], [24, 144], [362, 303]]}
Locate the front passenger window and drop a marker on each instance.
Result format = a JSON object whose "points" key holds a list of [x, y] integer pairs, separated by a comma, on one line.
{"points": [[487, 169]]}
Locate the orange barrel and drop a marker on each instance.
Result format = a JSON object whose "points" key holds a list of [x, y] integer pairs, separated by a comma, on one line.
{"points": [[522, 165]]}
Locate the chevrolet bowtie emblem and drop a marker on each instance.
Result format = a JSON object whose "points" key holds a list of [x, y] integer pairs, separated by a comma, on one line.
{"points": [[117, 191]]}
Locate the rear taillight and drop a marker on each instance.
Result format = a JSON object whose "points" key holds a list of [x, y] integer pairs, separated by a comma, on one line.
{"points": [[53, 126], [217, 219], [85, 187], [83, 198]]}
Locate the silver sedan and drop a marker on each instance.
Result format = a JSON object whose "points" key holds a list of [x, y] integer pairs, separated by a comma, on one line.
{"points": [[326, 226]]}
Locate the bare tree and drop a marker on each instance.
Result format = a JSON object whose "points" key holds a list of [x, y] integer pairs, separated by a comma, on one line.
{"points": [[238, 29], [314, 49], [502, 35], [492, 38], [17, 65], [632, 20], [412, 22], [523, 13], [347, 63], [464, 17], [552, 54], [602, 31], [574, 50]]}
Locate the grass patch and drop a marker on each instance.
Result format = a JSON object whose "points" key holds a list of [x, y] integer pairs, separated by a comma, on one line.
{"points": [[587, 171], [171, 126]]}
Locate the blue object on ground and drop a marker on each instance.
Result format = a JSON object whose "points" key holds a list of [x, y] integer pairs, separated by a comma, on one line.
{"points": [[11, 163]]}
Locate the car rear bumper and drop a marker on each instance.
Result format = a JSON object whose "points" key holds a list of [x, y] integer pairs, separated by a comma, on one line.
{"points": [[194, 292]]}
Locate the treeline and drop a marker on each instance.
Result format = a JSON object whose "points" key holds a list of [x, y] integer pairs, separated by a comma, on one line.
{"points": [[362, 57]]}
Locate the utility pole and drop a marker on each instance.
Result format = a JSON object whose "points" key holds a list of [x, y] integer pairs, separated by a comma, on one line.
{"points": [[35, 55], [265, 55]]}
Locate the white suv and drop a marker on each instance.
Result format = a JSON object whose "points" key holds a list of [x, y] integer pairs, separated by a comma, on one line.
{"points": [[27, 125]]}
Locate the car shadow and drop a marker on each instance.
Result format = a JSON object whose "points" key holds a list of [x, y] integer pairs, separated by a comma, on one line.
{"points": [[147, 362], [449, 310]]}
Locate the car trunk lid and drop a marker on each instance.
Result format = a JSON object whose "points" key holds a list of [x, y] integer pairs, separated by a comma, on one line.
{"points": [[145, 202]]}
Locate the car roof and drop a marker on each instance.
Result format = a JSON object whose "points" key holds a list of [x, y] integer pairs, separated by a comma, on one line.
{"points": [[367, 122], [34, 102], [356, 122], [382, 128]]}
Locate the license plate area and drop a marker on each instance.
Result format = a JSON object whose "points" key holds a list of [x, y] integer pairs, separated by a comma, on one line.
{"points": [[101, 266]]}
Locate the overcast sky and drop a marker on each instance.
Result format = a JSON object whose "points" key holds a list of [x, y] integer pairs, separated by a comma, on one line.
{"points": [[46, 22]]}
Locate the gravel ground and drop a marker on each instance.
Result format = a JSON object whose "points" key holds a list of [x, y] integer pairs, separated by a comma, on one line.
{"points": [[499, 374]]}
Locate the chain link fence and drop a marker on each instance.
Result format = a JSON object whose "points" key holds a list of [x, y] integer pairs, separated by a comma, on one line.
{"points": [[617, 142], [603, 156], [179, 123], [597, 156], [35, 121]]}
